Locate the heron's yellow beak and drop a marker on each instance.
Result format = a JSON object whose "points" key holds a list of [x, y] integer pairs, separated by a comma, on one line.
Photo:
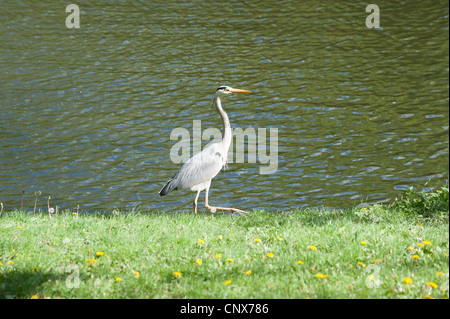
{"points": [[238, 91]]}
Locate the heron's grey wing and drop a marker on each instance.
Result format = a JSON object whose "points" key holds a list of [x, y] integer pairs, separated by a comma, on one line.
{"points": [[198, 169]]}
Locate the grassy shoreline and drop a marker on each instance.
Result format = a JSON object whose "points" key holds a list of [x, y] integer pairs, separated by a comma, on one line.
{"points": [[395, 251]]}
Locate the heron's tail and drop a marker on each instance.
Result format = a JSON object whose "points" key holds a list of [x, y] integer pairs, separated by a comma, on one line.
{"points": [[168, 187]]}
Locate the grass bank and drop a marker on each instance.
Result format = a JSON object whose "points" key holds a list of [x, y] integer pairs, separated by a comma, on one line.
{"points": [[395, 251]]}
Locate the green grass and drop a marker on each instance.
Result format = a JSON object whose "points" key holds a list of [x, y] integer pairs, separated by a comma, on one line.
{"points": [[364, 253]]}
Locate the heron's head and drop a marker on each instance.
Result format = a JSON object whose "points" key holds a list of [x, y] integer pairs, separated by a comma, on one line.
{"points": [[224, 90]]}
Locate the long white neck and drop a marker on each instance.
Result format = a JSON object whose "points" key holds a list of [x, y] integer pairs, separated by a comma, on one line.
{"points": [[226, 136]]}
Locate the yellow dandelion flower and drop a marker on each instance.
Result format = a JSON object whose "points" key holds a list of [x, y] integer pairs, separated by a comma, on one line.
{"points": [[34, 297], [230, 260], [420, 244], [248, 272], [91, 260], [88, 250], [372, 277], [227, 282], [375, 261], [10, 262], [1, 264], [201, 241], [415, 256], [35, 268], [218, 255], [99, 253], [220, 237], [312, 247], [438, 191], [280, 238], [257, 240], [439, 273], [411, 248], [428, 297], [445, 255], [198, 261], [427, 242], [270, 255], [363, 242], [177, 274], [361, 264], [407, 280], [319, 275], [431, 284], [136, 274], [19, 227], [300, 262], [118, 279]]}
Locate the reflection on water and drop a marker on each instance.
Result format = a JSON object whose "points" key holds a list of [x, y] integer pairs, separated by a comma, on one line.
{"points": [[87, 113]]}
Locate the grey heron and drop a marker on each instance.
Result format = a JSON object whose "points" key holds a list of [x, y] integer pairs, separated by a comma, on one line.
{"points": [[200, 169]]}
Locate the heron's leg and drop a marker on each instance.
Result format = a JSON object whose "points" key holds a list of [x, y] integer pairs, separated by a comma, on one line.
{"points": [[195, 202], [214, 208]]}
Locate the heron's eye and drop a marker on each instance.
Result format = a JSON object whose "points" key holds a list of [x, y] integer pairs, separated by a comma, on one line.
{"points": [[222, 88]]}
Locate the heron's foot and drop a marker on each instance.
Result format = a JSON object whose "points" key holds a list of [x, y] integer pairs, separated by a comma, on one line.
{"points": [[213, 209]]}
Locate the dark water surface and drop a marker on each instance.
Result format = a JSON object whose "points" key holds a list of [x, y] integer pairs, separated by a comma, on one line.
{"points": [[87, 114]]}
